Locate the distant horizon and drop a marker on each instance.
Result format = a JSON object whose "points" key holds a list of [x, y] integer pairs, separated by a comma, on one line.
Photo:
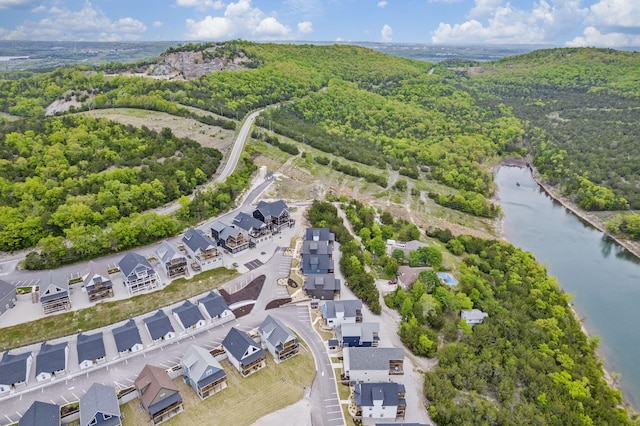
{"points": [[553, 23]]}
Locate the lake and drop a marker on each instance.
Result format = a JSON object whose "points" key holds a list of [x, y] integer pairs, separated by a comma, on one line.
{"points": [[603, 277]]}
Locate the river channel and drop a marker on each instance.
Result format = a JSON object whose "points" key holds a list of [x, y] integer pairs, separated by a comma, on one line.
{"points": [[603, 277]]}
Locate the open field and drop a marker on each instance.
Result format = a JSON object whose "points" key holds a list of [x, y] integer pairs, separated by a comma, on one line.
{"points": [[245, 399], [209, 136], [103, 314]]}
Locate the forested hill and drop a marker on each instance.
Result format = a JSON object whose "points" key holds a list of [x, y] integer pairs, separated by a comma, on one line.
{"points": [[582, 110]]}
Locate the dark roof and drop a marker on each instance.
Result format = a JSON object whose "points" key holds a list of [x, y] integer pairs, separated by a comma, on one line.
{"points": [[273, 209], [13, 368], [126, 336], [214, 304], [366, 393], [99, 399], [321, 261], [41, 414], [90, 346], [230, 231], [246, 222], [158, 325], [319, 234], [275, 331], [51, 358], [196, 239], [150, 382], [132, 261], [310, 247], [5, 289], [197, 361], [164, 403], [188, 313], [371, 358], [57, 283], [326, 281], [237, 343]]}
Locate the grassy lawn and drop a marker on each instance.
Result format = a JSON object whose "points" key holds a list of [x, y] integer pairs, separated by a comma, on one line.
{"points": [[244, 401], [344, 391], [348, 419], [107, 313]]}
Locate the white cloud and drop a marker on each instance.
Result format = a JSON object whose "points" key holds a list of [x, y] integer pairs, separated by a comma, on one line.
{"points": [[38, 9], [386, 34], [157, 24], [85, 24], [615, 13], [593, 37], [382, 3], [304, 8], [240, 20], [201, 4], [16, 4], [544, 23], [305, 27]]}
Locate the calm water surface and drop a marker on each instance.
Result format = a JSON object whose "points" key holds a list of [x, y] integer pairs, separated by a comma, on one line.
{"points": [[603, 278]]}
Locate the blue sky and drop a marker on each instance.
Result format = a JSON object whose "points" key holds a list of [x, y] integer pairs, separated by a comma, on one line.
{"points": [[602, 23]]}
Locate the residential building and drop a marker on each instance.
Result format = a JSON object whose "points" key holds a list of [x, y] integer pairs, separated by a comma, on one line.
{"points": [[310, 247], [14, 371], [7, 296], [473, 316], [90, 350], [127, 338], [243, 352], [41, 414], [189, 316], [317, 264], [159, 327], [258, 231], [322, 286], [97, 283], [275, 215], [203, 372], [173, 262], [361, 334], [202, 250], [54, 293], [137, 273], [232, 238], [336, 312], [319, 234], [99, 406], [278, 339], [51, 361], [373, 365], [215, 308], [158, 394], [379, 401]]}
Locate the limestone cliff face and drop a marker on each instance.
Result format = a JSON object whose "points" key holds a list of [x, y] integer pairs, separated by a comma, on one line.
{"points": [[191, 65]]}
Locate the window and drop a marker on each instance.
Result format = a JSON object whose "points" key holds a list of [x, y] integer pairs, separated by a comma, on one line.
{"points": [[93, 421], [209, 372]]}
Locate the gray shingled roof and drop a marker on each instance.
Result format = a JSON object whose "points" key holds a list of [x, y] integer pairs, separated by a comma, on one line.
{"points": [[41, 414], [90, 347], [365, 330], [366, 393], [126, 336], [319, 234], [196, 361], [473, 315], [158, 325], [196, 239], [320, 261], [167, 252], [57, 283], [51, 358], [214, 304], [237, 343], [97, 270], [132, 261], [275, 331], [5, 289], [188, 313], [231, 231], [99, 399], [349, 307], [273, 209], [246, 222], [316, 247], [371, 358], [327, 281], [13, 368]]}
